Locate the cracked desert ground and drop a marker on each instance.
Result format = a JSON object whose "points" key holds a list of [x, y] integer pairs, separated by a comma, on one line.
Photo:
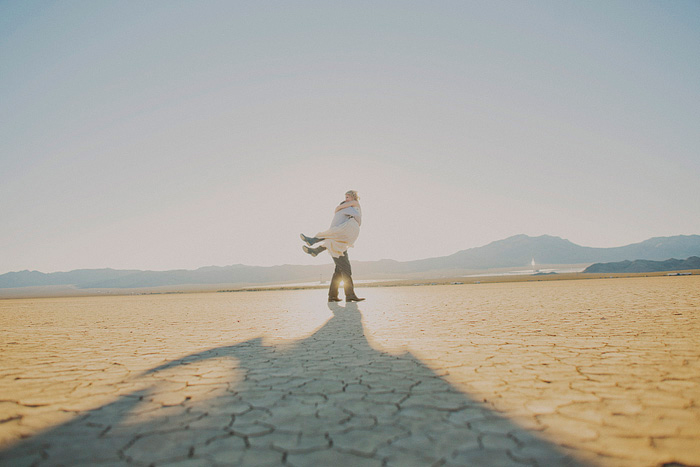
{"points": [[577, 372]]}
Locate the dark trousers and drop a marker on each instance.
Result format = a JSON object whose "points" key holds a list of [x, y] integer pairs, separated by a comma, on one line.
{"points": [[342, 272]]}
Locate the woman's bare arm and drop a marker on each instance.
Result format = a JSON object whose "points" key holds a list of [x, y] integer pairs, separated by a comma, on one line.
{"points": [[347, 204]]}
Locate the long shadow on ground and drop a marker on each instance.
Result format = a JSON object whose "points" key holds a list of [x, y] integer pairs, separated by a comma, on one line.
{"points": [[329, 399]]}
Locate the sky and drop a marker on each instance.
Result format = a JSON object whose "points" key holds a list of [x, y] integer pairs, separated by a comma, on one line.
{"points": [[175, 135]]}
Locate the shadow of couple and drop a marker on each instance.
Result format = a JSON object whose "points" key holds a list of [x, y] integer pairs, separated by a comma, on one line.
{"points": [[328, 399]]}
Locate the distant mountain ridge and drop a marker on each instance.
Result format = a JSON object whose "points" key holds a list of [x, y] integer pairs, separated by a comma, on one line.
{"points": [[515, 251], [545, 249], [643, 265], [520, 250]]}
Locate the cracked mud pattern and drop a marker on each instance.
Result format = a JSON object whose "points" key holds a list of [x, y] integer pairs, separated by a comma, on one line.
{"points": [[588, 372]]}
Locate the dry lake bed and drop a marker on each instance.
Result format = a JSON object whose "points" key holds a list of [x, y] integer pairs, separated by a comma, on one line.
{"points": [[582, 372]]}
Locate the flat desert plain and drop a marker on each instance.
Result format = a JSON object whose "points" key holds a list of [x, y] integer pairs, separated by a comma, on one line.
{"points": [[578, 372]]}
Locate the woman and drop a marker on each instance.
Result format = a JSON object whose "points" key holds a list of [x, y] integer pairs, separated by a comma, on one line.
{"points": [[344, 229]]}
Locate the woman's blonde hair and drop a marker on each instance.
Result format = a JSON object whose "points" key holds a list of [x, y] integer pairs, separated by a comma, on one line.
{"points": [[354, 194]]}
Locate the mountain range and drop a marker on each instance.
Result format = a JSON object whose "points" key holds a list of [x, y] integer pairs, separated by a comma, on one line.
{"points": [[512, 252], [645, 265]]}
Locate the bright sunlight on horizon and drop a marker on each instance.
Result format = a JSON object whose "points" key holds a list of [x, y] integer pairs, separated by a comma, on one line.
{"points": [[166, 135]]}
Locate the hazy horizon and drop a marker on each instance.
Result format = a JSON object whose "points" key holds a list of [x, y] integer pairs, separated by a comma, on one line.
{"points": [[323, 260], [177, 135]]}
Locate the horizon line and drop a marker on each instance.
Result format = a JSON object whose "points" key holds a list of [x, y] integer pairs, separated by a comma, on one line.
{"points": [[358, 261]]}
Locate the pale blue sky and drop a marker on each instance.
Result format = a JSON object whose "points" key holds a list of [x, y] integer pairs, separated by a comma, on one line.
{"points": [[163, 135]]}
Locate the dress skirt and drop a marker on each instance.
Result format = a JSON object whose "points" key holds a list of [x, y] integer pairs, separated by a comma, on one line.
{"points": [[338, 239]]}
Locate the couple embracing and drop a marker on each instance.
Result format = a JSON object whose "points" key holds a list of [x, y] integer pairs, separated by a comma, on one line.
{"points": [[344, 230]]}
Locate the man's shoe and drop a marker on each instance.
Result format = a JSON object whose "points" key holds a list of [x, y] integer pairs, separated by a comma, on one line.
{"points": [[333, 299], [354, 299]]}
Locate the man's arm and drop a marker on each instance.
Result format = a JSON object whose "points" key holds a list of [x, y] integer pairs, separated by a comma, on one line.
{"points": [[347, 204], [351, 212]]}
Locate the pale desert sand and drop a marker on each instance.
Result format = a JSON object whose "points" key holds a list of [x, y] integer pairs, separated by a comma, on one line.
{"points": [[578, 372]]}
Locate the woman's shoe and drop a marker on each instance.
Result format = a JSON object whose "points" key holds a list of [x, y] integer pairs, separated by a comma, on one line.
{"points": [[313, 251], [309, 240]]}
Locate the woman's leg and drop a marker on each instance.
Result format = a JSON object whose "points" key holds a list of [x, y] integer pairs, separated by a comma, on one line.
{"points": [[310, 240], [314, 251]]}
